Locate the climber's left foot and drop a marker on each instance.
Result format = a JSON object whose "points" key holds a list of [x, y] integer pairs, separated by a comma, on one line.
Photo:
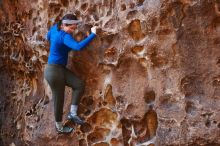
{"points": [[76, 119]]}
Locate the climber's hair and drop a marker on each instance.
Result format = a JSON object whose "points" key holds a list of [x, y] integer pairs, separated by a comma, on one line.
{"points": [[66, 17]]}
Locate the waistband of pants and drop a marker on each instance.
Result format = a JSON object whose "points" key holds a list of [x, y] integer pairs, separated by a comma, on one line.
{"points": [[57, 65]]}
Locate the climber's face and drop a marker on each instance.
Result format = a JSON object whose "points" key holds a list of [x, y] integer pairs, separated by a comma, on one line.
{"points": [[69, 28]]}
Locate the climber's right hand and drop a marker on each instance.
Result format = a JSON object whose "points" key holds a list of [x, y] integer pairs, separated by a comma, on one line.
{"points": [[93, 29]]}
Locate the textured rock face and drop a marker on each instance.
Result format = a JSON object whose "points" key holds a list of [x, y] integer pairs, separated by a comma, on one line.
{"points": [[152, 74]]}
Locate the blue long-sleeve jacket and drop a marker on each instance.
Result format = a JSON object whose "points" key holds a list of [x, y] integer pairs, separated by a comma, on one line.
{"points": [[61, 43]]}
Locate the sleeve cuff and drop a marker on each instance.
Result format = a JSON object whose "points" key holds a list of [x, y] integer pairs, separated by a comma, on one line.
{"points": [[93, 33]]}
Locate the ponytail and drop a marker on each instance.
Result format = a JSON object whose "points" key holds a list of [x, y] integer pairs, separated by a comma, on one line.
{"points": [[59, 25]]}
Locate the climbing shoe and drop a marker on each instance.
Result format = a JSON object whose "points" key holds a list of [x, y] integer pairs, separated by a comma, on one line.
{"points": [[64, 130], [76, 119]]}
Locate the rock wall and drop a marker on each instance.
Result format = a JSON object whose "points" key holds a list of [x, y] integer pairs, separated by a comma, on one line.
{"points": [[152, 73]]}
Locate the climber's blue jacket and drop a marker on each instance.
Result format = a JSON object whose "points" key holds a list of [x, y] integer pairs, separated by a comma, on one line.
{"points": [[61, 43]]}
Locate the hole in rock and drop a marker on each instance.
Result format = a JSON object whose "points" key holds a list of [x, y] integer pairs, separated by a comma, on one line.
{"points": [[34, 30], [137, 49], [88, 101], [76, 2], [123, 7], [65, 2], [109, 52], [99, 104], [192, 85], [101, 144], [126, 133], [212, 144], [56, 9], [82, 142], [116, 142], [108, 97], [149, 96], [87, 112], [134, 30], [84, 6], [218, 61], [150, 120], [164, 31], [131, 5], [85, 128], [120, 99], [216, 81], [77, 13], [166, 101], [96, 18], [130, 109], [208, 123], [131, 14], [109, 13], [216, 40], [190, 109], [98, 134], [104, 103], [104, 117], [153, 25], [216, 22], [126, 123], [156, 59], [110, 23], [140, 2], [139, 128]]}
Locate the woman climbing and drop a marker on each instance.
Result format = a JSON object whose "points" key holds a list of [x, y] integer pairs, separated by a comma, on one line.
{"points": [[56, 73]]}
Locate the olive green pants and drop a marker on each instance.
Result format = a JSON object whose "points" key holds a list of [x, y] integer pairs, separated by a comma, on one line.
{"points": [[58, 77]]}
